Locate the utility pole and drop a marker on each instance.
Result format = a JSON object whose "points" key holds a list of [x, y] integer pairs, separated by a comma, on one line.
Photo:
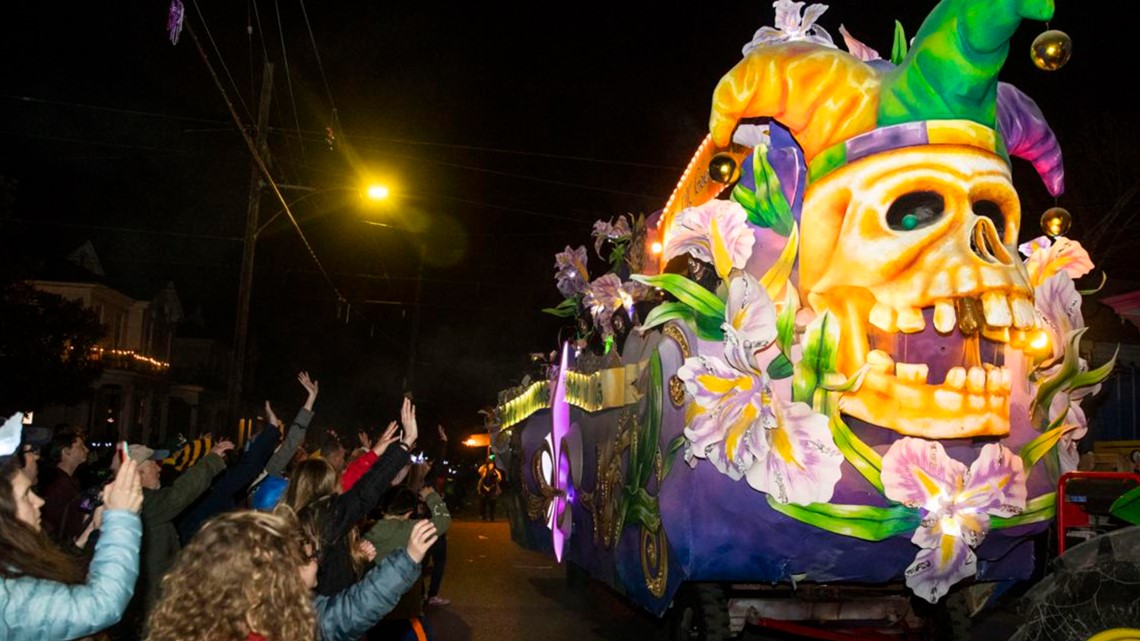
{"points": [[245, 284]]}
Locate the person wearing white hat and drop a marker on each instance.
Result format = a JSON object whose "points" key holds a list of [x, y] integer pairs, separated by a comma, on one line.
{"points": [[44, 594]]}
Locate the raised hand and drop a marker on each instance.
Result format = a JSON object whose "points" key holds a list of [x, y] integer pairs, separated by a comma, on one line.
{"points": [[271, 417], [442, 434], [422, 538], [365, 440], [221, 447], [385, 439], [125, 491], [311, 386], [408, 420], [367, 549]]}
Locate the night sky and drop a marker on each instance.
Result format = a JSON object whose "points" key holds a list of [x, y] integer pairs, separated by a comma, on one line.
{"points": [[507, 130]]}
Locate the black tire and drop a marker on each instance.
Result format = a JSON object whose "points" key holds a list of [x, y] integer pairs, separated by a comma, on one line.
{"points": [[699, 613], [947, 620], [576, 576]]}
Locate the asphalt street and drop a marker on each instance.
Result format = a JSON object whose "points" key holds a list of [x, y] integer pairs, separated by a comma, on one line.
{"points": [[501, 592]]}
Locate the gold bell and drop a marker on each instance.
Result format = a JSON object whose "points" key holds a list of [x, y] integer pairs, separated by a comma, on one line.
{"points": [[1051, 50], [723, 169], [1056, 221]]}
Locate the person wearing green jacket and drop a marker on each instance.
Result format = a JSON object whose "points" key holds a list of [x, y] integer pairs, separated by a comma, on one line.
{"points": [[391, 533], [160, 507]]}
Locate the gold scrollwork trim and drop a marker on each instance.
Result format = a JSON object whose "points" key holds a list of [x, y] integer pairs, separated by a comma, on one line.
{"points": [[676, 391], [678, 336], [655, 560]]}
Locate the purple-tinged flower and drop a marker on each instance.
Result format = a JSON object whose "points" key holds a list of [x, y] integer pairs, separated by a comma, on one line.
{"points": [[1045, 258], [956, 504], [716, 232], [857, 48], [572, 275], [750, 321], [726, 403], [796, 457], [791, 26], [604, 230], [603, 297]]}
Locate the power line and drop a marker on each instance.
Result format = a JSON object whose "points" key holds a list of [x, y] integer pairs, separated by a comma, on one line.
{"points": [[318, 135], [97, 143], [289, 76], [221, 59], [317, 53], [258, 159], [156, 232]]}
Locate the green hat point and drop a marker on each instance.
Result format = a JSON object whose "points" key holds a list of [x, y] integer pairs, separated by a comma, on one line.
{"points": [[951, 71]]}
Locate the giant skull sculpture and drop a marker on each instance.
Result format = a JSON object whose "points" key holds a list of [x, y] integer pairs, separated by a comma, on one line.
{"points": [[918, 261]]}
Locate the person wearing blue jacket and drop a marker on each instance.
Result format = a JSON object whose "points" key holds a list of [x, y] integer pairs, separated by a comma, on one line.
{"points": [[44, 593], [349, 614]]}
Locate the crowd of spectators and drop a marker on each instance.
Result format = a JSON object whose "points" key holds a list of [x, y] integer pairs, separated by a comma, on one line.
{"points": [[215, 542]]}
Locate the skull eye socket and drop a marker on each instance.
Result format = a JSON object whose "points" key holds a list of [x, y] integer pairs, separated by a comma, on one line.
{"points": [[915, 210], [990, 209]]}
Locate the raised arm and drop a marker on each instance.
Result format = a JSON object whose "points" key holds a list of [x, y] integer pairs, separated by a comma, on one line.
{"points": [[168, 502], [53, 610], [296, 434]]}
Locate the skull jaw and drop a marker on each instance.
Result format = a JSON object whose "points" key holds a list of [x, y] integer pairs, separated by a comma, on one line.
{"points": [[928, 411]]}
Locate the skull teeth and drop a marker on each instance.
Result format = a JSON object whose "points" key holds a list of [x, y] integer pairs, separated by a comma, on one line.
{"points": [[912, 372], [996, 308], [945, 318]]}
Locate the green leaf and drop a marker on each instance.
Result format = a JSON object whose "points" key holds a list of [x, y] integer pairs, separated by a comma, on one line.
{"points": [[641, 508], [671, 454], [644, 455], [859, 521], [898, 50], [786, 321], [780, 367], [1040, 446], [860, 455], [1127, 506], [1070, 366], [821, 345], [666, 312], [766, 206], [1090, 292], [566, 309], [700, 299], [707, 328], [850, 384], [1096, 376], [1041, 508]]}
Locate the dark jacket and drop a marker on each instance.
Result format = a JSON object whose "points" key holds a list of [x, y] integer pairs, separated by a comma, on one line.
{"points": [[160, 508], [60, 515], [348, 615], [223, 494], [342, 512]]}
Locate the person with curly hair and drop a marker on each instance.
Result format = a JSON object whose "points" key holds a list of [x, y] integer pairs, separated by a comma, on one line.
{"points": [[248, 576], [44, 592]]}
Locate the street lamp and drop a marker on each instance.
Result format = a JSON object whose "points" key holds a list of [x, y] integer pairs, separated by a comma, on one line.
{"points": [[377, 192]]}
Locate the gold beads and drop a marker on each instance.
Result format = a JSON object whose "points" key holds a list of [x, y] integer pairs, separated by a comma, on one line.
{"points": [[1056, 221], [1051, 50]]}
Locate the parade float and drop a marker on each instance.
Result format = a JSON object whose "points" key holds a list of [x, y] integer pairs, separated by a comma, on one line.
{"points": [[824, 382]]}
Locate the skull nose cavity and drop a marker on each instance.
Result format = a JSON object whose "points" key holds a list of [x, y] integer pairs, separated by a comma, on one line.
{"points": [[985, 242]]}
